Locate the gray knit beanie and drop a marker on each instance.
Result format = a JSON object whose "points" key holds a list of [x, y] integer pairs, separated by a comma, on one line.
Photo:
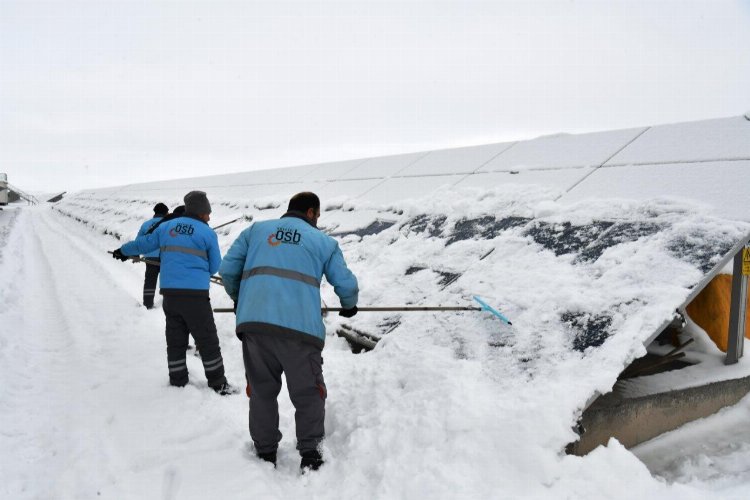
{"points": [[196, 203]]}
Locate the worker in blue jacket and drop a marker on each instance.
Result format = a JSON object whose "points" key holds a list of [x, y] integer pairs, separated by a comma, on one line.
{"points": [[189, 256], [273, 272], [177, 212], [152, 262]]}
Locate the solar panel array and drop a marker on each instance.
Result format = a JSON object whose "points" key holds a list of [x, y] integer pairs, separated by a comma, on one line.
{"points": [[706, 161]]}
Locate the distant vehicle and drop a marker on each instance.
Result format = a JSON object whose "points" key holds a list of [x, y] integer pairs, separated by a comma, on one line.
{"points": [[3, 189]]}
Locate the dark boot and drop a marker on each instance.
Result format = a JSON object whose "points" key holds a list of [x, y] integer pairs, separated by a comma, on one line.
{"points": [[226, 389], [268, 457], [311, 460]]}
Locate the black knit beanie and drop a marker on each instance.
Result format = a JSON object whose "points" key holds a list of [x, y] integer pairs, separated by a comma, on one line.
{"points": [[161, 209]]}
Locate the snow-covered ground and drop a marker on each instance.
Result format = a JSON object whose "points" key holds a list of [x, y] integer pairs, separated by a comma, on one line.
{"points": [[711, 454], [447, 406]]}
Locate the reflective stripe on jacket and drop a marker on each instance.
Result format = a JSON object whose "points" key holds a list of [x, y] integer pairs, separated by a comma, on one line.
{"points": [[273, 271], [189, 251], [144, 228]]}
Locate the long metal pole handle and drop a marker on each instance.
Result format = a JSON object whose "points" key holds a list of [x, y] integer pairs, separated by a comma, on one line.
{"points": [[382, 309], [230, 222], [138, 258]]}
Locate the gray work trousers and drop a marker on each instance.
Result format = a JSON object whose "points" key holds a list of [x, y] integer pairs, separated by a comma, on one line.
{"points": [[266, 358]]}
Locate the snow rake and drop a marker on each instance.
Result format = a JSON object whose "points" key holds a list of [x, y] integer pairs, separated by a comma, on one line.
{"points": [[484, 307]]}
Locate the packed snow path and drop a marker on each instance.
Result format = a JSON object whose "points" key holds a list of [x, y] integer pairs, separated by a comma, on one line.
{"points": [[86, 410], [84, 407]]}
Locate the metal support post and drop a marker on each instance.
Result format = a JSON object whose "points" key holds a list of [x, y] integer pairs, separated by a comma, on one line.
{"points": [[738, 309]]}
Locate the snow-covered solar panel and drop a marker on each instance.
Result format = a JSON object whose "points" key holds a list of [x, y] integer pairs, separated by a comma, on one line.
{"points": [[708, 140], [406, 188], [344, 190], [564, 150], [330, 171], [150, 192], [384, 166], [724, 186], [178, 184], [454, 161], [259, 194], [585, 284], [559, 179], [275, 176]]}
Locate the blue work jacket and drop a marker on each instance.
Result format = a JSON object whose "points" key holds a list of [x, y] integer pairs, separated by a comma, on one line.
{"points": [[189, 252], [273, 272]]}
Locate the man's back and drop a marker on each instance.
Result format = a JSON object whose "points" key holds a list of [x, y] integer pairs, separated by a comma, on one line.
{"points": [[274, 271], [189, 253]]}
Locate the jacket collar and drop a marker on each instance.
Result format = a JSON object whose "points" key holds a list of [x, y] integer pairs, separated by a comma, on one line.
{"points": [[191, 216], [299, 215]]}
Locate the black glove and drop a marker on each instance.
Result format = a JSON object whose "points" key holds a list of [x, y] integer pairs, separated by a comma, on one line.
{"points": [[348, 313], [117, 254]]}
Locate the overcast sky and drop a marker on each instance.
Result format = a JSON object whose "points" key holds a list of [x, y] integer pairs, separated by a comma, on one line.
{"points": [[113, 92]]}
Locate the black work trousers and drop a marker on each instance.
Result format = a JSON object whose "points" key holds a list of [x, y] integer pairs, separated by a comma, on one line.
{"points": [[149, 283], [191, 314], [266, 358]]}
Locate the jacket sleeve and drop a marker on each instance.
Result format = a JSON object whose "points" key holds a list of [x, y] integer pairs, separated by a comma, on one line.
{"points": [[214, 253], [343, 280], [141, 245], [234, 263]]}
